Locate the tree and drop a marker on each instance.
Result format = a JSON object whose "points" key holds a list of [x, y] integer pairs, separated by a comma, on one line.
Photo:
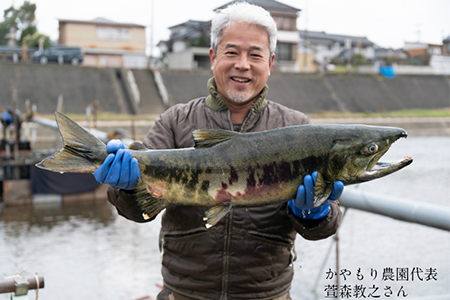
{"points": [[32, 40], [358, 60], [21, 21]]}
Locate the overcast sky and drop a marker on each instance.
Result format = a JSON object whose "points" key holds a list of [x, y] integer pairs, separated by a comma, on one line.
{"points": [[387, 23]]}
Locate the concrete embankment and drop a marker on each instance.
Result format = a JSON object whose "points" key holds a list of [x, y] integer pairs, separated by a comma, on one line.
{"points": [[135, 91], [314, 93], [111, 89]]}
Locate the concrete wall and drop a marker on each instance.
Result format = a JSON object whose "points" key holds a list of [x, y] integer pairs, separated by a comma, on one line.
{"points": [[313, 93], [309, 93], [42, 85]]}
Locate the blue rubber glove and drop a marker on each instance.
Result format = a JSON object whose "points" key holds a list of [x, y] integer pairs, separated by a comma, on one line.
{"points": [[303, 204], [120, 169]]}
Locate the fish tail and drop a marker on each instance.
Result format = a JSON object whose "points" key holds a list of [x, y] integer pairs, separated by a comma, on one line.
{"points": [[82, 152]]}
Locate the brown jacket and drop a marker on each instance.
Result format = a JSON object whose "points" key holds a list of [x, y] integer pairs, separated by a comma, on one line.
{"points": [[249, 253]]}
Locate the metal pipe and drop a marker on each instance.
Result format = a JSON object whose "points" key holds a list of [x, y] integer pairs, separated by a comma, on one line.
{"points": [[327, 255], [433, 215], [10, 285]]}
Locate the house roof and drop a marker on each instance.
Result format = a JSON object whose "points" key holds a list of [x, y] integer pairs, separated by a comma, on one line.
{"points": [[191, 23], [266, 4], [190, 30], [446, 40], [384, 52], [322, 35], [100, 21]]}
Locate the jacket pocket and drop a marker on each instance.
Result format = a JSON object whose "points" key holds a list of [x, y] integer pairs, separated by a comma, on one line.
{"points": [[179, 236], [270, 238], [277, 241], [185, 233]]}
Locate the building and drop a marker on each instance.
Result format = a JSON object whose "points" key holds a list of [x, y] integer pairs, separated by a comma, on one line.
{"points": [[446, 46], [389, 55], [421, 53], [318, 49], [440, 62], [105, 42], [188, 46], [189, 42]]}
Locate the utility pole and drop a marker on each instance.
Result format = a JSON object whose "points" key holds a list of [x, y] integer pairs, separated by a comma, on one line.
{"points": [[305, 40], [418, 33], [152, 23]]}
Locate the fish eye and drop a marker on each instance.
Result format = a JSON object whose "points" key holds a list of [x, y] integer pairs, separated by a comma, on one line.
{"points": [[372, 148]]}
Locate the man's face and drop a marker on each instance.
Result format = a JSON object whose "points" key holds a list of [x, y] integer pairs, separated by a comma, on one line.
{"points": [[242, 63]]}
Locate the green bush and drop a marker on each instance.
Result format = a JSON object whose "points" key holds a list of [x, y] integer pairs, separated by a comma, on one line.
{"points": [[32, 40]]}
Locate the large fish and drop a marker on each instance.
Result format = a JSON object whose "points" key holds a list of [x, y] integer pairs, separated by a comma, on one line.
{"points": [[227, 169]]}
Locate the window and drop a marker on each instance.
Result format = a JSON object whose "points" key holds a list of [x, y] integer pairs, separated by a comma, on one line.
{"points": [[280, 23], [284, 51], [289, 24], [113, 33], [285, 23]]}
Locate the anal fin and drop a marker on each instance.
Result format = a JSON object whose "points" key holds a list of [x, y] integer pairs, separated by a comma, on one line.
{"points": [[215, 214]]}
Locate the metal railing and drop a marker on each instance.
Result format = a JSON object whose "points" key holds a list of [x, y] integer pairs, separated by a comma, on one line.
{"points": [[423, 213]]}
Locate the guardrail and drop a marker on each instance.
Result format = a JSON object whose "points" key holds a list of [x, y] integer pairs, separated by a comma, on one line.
{"points": [[428, 214]]}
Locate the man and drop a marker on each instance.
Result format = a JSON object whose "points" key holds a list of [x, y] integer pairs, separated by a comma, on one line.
{"points": [[7, 119], [249, 253]]}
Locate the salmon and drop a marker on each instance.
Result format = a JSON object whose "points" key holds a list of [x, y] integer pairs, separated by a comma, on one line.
{"points": [[226, 168]]}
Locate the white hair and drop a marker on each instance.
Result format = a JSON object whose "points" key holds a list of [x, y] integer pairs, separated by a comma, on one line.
{"points": [[243, 12]]}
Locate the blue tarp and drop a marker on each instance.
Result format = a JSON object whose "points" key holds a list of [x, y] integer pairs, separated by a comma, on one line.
{"points": [[387, 71], [46, 182]]}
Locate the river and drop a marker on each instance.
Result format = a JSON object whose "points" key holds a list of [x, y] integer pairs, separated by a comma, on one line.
{"points": [[86, 251]]}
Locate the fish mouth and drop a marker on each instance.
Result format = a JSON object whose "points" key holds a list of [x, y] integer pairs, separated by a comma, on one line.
{"points": [[381, 169], [377, 169]]}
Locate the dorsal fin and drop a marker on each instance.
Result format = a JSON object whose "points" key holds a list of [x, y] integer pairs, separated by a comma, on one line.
{"points": [[137, 146], [211, 137]]}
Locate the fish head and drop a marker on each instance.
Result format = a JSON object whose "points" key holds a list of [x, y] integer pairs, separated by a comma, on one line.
{"points": [[356, 151]]}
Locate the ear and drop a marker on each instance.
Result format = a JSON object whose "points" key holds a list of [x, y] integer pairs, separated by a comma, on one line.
{"points": [[212, 57], [271, 62]]}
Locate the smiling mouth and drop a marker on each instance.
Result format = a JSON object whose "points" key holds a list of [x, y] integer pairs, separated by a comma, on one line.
{"points": [[240, 80]]}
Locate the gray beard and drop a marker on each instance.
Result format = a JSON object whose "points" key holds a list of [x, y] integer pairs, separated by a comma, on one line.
{"points": [[238, 97]]}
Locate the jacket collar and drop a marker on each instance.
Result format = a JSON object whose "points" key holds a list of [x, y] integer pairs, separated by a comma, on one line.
{"points": [[215, 102]]}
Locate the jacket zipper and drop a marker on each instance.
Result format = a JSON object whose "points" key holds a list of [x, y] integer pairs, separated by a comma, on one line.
{"points": [[243, 122], [226, 254], [227, 241]]}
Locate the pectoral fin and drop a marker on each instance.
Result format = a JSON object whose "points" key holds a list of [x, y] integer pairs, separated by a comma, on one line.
{"points": [[215, 214], [322, 190]]}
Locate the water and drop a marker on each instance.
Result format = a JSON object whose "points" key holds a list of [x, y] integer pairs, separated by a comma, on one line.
{"points": [[86, 251], [371, 242]]}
